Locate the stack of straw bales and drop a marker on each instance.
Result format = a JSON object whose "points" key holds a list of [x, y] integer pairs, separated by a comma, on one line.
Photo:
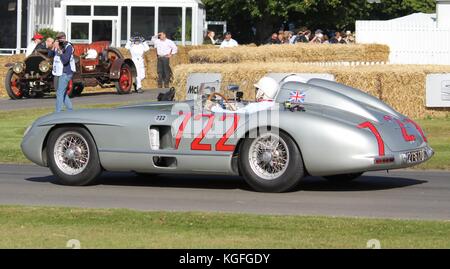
{"points": [[293, 53], [402, 87]]}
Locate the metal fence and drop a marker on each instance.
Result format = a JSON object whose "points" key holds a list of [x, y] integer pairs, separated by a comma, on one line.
{"points": [[409, 43]]}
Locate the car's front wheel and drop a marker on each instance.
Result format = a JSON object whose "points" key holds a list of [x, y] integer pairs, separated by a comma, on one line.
{"points": [[12, 85], [73, 157], [272, 162]]}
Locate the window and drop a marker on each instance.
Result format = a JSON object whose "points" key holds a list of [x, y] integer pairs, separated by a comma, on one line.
{"points": [[143, 21], [170, 22], [78, 10], [188, 24], [124, 26], [79, 32], [8, 25], [105, 11], [102, 30]]}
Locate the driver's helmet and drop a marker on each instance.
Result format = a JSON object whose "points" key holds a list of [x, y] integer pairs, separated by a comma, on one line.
{"points": [[267, 89]]}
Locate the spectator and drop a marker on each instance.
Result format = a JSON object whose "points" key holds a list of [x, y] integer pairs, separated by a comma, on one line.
{"points": [[49, 43], [165, 49], [63, 69], [318, 37], [349, 38], [337, 38], [228, 42], [273, 40], [287, 37], [281, 37], [325, 39], [304, 37], [209, 39]]}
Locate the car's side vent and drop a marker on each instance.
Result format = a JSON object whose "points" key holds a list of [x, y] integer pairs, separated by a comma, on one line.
{"points": [[161, 137], [165, 162]]}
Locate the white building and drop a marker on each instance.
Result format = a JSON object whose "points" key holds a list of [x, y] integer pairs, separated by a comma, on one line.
{"points": [[415, 39], [87, 21]]}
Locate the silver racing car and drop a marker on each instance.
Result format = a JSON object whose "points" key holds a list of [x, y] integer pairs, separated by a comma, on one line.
{"points": [[317, 128]]}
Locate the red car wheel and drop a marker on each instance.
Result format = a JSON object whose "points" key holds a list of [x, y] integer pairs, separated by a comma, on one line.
{"points": [[125, 82], [12, 85]]}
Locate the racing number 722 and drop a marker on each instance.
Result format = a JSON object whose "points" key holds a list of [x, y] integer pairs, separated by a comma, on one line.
{"points": [[196, 143]]}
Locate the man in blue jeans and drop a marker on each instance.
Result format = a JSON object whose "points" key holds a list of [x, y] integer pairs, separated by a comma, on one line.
{"points": [[63, 69]]}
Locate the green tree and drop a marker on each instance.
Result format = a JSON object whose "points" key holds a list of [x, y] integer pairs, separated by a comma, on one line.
{"points": [[47, 32]]}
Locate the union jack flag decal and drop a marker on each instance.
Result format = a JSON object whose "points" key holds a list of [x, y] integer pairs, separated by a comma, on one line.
{"points": [[297, 97]]}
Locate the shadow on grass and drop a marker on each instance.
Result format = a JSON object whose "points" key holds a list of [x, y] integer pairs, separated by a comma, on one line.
{"points": [[309, 184]]}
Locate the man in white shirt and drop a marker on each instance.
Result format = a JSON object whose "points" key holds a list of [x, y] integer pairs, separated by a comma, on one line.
{"points": [[165, 49], [228, 42]]}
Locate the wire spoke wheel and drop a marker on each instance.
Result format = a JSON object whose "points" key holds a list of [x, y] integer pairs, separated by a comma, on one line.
{"points": [[71, 153], [269, 156]]}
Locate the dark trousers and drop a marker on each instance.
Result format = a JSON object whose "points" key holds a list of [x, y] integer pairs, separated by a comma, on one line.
{"points": [[164, 72]]}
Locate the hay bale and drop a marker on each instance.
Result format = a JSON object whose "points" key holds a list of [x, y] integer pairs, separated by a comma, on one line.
{"points": [[402, 87], [299, 52]]}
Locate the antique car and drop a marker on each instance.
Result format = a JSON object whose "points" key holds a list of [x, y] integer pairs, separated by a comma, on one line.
{"points": [[336, 132], [33, 77]]}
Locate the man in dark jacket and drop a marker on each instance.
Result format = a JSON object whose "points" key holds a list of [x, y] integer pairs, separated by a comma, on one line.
{"points": [[63, 69]]}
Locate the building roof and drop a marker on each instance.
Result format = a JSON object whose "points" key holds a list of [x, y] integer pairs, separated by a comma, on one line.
{"points": [[417, 18]]}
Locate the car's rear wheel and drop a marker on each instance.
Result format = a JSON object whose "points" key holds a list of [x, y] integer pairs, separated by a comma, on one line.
{"points": [[73, 157], [272, 162], [125, 82], [343, 178], [12, 85]]}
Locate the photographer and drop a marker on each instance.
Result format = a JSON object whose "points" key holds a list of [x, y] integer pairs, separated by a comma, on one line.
{"points": [[63, 69]]}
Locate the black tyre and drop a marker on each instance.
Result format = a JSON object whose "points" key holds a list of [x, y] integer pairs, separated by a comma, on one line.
{"points": [[73, 157], [125, 82], [272, 162], [77, 89], [343, 178], [12, 85]]}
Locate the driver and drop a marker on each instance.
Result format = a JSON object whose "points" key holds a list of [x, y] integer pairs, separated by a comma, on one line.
{"points": [[266, 92]]}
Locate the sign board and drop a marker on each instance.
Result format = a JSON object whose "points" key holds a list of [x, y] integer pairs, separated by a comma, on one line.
{"points": [[438, 90], [196, 82], [307, 76]]}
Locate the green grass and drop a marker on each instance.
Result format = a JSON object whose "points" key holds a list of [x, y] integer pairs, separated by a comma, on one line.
{"points": [[438, 133], [43, 227], [14, 123]]}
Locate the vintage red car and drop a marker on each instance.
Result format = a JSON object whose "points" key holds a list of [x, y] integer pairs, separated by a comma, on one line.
{"points": [[33, 77]]}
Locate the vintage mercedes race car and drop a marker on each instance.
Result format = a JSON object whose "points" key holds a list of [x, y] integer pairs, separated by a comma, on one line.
{"points": [[33, 77], [318, 128]]}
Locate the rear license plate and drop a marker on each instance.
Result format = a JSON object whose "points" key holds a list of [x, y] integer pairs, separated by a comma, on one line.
{"points": [[416, 156]]}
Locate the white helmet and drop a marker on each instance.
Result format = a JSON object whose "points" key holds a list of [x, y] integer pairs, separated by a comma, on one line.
{"points": [[267, 88], [294, 78]]}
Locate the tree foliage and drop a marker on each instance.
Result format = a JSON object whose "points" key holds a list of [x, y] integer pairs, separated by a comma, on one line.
{"points": [[265, 16]]}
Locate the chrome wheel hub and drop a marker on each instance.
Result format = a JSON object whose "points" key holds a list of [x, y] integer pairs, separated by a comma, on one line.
{"points": [[269, 156], [71, 153]]}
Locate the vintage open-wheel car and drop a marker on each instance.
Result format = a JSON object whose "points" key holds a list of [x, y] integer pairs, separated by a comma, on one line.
{"points": [[33, 77]]}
